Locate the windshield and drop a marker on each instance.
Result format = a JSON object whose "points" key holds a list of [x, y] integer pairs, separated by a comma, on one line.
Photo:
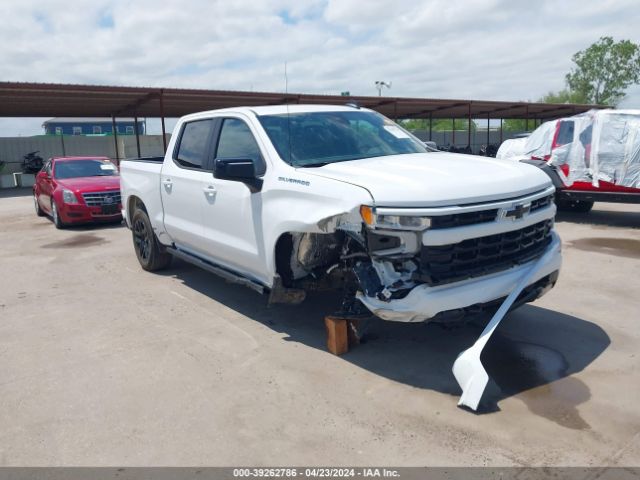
{"points": [[84, 168], [317, 138]]}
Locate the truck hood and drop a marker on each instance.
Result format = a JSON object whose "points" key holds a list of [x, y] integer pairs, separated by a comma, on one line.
{"points": [[436, 179], [91, 184]]}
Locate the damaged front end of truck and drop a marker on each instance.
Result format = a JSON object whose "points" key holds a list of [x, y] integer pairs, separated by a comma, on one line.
{"points": [[430, 264], [349, 256]]}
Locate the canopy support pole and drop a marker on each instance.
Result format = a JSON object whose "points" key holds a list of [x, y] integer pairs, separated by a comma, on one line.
{"points": [[135, 127], [488, 121], [114, 131], [453, 132], [64, 153], [469, 127], [164, 133]]}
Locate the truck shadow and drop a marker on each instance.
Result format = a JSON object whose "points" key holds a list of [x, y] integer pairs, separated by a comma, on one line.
{"points": [[89, 227], [532, 355], [605, 218], [85, 227]]}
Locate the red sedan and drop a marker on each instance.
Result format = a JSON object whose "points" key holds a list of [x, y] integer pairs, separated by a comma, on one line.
{"points": [[78, 190]]}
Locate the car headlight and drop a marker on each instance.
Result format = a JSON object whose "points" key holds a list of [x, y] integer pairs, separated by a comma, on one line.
{"points": [[69, 197], [394, 222]]}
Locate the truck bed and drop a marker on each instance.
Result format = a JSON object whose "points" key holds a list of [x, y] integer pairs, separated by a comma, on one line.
{"points": [[140, 177]]}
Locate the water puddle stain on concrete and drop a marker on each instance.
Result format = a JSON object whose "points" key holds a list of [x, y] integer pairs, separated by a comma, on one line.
{"points": [[620, 247], [83, 240], [537, 375]]}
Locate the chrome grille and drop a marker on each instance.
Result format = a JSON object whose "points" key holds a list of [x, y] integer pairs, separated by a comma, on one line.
{"points": [[463, 219], [98, 199], [541, 203], [481, 216]]}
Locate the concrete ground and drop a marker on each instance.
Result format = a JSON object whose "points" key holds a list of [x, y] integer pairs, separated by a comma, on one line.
{"points": [[102, 363]]}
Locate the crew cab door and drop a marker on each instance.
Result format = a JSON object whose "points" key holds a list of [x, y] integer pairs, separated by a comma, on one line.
{"points": [[183, 182], [233, 213]]}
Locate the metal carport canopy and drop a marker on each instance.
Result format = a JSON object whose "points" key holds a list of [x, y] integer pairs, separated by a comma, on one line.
{"points": [[19, 99]]}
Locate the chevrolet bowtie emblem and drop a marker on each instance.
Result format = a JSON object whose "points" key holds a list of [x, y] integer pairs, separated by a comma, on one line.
{"points": [[518, 211]]}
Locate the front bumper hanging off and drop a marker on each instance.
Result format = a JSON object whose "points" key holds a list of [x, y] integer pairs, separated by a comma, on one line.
{"points": [[425, 302], [468, 369]]}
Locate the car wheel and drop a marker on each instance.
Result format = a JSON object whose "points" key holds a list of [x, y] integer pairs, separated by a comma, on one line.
{"points": [[39, 210], [151, 255], [55, 216]]}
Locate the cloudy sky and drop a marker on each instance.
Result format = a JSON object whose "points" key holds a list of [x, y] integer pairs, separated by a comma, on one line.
{"points": [[477, 49]]}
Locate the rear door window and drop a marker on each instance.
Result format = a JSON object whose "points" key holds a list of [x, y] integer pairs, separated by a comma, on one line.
{"points": [[194, 142]]}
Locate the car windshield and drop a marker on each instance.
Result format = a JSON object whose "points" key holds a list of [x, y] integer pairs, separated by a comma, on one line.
{"points": [[314, 139], [84, 168]]}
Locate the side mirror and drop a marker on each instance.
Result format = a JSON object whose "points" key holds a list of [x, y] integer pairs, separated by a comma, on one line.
{"points": [[42, 174], [238, 169]]}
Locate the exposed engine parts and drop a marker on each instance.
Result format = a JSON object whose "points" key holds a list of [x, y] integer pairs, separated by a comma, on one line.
{"points": [[385, 279], [316, 250], [379, 265]]}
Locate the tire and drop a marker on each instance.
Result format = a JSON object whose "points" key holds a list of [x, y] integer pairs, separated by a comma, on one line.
{"points": [[39, 211], [55, 216], [578, 206], [583, 206], [151, 255]]}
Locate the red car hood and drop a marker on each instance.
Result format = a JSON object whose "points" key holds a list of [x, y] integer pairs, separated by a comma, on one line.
{"points": [[91, 184]]}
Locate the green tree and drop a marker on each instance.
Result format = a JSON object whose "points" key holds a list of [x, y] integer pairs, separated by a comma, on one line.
{"points": [[439, 124], [414, 124], [564, 96], [519, 125], [605, 70]]}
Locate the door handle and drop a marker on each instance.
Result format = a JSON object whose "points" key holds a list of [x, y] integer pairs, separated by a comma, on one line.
{"points": [[167, 182], [209, 191]]}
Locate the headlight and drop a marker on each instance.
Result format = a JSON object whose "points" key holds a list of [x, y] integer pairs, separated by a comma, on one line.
{"points": [[69, 197], [394, 222]]}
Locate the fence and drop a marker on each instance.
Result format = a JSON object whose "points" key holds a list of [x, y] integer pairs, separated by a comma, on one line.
{"points": [[12, 149], [478, 137]]}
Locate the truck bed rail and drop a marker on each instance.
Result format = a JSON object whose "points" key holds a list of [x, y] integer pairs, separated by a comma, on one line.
{"points": [[143, 159]]}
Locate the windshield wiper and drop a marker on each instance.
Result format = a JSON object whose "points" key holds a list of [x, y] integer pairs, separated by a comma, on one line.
{"points": [[313, 165]]}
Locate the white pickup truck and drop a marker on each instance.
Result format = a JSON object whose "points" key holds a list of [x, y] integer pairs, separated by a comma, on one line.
{"points": [[286, 199]]}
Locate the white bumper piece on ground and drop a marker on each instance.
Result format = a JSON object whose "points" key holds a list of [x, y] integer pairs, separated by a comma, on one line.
{"points": [[468, 369], [425, 302]]}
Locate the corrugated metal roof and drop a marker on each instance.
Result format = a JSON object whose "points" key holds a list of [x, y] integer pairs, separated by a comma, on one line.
{"points": [[64, 100]]}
